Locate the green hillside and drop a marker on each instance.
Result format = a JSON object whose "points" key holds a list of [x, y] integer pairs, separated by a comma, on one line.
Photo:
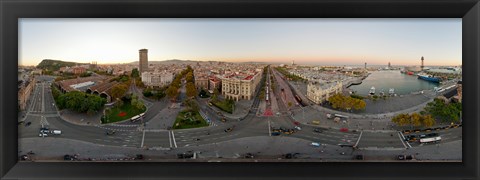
{"points": [[54, 65]]}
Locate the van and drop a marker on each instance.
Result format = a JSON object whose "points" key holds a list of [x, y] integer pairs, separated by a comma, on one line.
{"points": [[56, 132]]}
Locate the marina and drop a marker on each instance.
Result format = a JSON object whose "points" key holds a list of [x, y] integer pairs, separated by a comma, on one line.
{"points": [[393, 81]]}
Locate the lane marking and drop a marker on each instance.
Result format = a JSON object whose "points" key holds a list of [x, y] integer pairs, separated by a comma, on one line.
{"points": [[174, 142], [358, 140], [269, 129], [401, 140], [143, 139], [170, 138]]}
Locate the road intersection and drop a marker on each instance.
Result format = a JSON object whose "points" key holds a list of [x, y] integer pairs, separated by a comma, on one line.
{"points": [[153, 131]]}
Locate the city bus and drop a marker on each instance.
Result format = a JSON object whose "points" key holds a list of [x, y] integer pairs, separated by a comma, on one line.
{"points": [[430, 140], [341, 116], [137, 117]]}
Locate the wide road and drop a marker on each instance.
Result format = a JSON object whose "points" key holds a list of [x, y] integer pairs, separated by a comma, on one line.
{"points": [[42, 111]]}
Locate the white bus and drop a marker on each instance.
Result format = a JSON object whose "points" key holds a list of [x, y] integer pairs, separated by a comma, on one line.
{"points": [[137, 117], [341, 116], [429, 140]]}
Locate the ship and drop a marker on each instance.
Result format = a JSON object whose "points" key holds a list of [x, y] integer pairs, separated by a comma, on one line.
{"points": [[382, 93], [391, 91], [372, 91], [430, 78]]}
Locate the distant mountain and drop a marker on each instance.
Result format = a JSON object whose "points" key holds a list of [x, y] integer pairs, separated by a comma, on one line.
{"points": [[54, 65], [171, 61]]}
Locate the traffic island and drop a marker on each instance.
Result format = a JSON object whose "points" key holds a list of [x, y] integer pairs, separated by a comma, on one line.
{"points": [[189, 119], [121, 113]]}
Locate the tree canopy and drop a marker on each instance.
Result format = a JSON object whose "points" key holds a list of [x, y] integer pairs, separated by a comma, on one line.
{"points": [[80, 102], [413, 119], [446, 112], [135, 73], [118, 91], [346, 102]]}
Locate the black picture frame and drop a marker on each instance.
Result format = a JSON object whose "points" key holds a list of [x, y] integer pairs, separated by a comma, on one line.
{"points": [[468, 10]]}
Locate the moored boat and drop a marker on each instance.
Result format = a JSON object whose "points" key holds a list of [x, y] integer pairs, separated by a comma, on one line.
{"points": [[430, 78], [372, 91]]}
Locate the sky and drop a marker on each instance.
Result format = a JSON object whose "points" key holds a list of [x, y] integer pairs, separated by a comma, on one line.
{"points": [[306, 41]]}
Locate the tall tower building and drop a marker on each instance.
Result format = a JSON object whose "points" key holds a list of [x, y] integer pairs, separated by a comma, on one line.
{"points": [[143, 66], [422, 64], [293, 62], [365, 65], [389, 65]]}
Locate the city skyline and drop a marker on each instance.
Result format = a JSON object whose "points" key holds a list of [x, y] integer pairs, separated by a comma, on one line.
{"points": [[307, 41]]}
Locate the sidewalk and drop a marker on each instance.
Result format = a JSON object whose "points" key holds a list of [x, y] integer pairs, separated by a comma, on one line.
{"points": [[241, 109]]}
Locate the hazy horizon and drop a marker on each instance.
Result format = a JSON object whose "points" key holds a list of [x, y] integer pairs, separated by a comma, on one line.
{"points": [[350, 42]]}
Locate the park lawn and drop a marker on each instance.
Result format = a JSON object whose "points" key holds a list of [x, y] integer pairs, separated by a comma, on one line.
{"points": [[185, 123], [223, 105], [130, 111]]}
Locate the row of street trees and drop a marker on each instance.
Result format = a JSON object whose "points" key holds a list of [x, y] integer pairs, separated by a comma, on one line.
{"points": [[346, 102], [172, 90], [444, 111], [414, 119], [439, 109]]}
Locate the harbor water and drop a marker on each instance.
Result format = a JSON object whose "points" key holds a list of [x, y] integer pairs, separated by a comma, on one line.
{"points": [[402, 83]]}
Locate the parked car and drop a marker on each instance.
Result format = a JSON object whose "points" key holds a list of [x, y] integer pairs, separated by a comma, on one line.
{"points": [[298, 128], [315, 144], [56, 132], [317, 130], [42, 135]]}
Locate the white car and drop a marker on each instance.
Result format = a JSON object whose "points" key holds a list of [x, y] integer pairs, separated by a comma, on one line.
{"points": [[42, 135], [315, 144], [298, 128]]}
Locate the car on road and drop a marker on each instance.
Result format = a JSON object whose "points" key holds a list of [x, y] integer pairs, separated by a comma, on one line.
{"points": [[42, 135], [139, 156], [228, 130], [110, 132], [401, 157], [275, 133], [24, 157], [317, 130], [223, 119], [298, 128], [68, 158], [315, 144], [249, 156], [28, 124]]}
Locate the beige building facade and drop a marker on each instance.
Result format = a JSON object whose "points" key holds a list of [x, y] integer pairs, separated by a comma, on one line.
{"points": [[240, 87], [319, 92], [24, 93], [157, 79]]}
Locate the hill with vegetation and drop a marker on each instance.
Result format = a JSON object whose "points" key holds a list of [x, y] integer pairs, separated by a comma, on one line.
{"points": [[55, 65]]}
